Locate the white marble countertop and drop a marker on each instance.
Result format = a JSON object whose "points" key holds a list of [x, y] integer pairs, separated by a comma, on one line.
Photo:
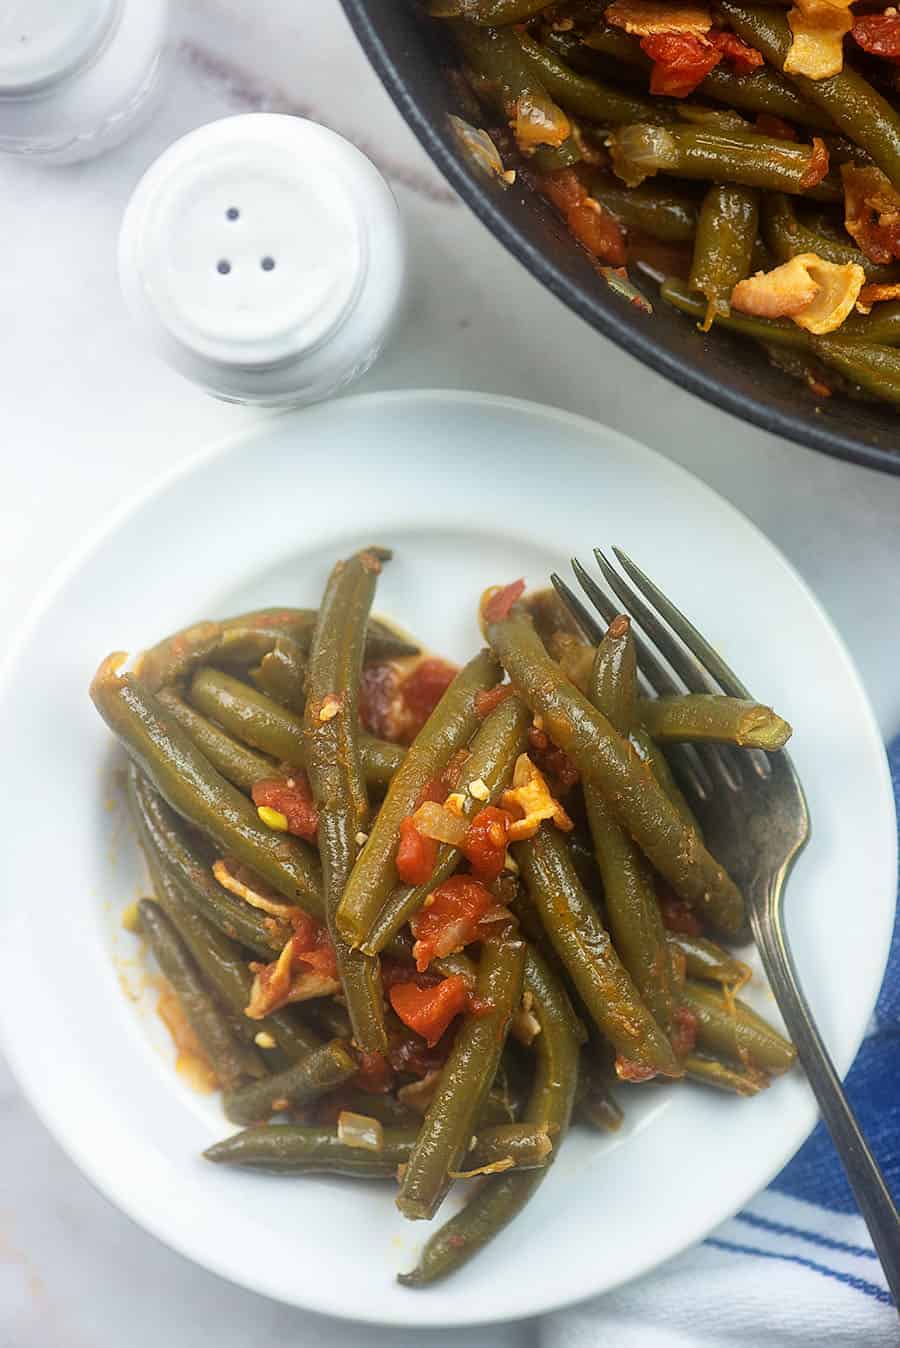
{"points": [[87, 419]]}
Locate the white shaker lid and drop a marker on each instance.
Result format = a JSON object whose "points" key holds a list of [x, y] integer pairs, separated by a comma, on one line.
{"points": [[45, 40], [243, 246]]}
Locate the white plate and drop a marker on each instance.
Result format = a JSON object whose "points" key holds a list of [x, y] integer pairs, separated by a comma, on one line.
{"points": [[469, 490]]}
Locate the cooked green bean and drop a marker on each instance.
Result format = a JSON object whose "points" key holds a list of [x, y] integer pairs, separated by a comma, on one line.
{"points": [[595, 1103], [723, 248], [246, 639], [850, 101], [219, 959], [706, 960], [282, 674], [234, 1063], [786, 237], [501, 77], [487, 13], [299, 1149], [606, 759], [237, 764], [710, 1072], [629, 890], [465, 1080], [882, 325], [662, 212], [258, 720], [331, 735], [706, 716], [590, 959], [495, 749], [739, 1035], [321, 1071], [586, 97], [874, 368], [448, 728], [658, 764], [502, 1197], [641, 150], [777, 331], [262, 933], [197, 792]]}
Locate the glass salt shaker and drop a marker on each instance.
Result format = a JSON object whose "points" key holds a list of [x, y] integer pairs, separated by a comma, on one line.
{"points": [[77, 76], [264, 258]]}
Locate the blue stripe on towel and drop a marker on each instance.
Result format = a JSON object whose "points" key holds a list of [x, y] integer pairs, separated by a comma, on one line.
{"points": [[870, 1289], [814, 1237]]}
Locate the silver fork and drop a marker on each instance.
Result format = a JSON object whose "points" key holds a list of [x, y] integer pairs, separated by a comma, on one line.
{"points": [[755, 819]]}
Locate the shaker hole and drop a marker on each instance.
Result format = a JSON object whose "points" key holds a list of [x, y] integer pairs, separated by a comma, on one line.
{"points": [[232, 213], [268, 264], [223, 266]]}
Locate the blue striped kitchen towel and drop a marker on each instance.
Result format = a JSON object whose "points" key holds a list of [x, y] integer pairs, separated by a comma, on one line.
{"points": [[796, 1266]]}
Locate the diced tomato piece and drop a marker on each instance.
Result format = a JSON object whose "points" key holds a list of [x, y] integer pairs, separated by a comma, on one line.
{"points": [[594, 227], [375, 1073], [684, 1032], [416, 856], [429, 1011], [423, 689], [552, 761], [450, 920], [434, 790], [488, 700], [742, 58], [484, 845], [312, 944], [681, 61], [878, 34], [291, 797], [497, 607], [767, 124], [676, 915]]}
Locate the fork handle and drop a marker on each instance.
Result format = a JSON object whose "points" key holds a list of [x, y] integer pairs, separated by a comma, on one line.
{"points": [[866, 1180]]}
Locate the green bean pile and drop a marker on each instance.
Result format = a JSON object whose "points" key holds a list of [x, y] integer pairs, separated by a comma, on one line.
{"points": [[426, 957], [729, 176]]}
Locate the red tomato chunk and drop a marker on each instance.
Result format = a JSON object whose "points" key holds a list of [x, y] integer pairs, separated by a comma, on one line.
{"points": [[291, 797], [312, 944], [429, 1011], [878, 34], [450, 919], [484, 845], [416, 855]]}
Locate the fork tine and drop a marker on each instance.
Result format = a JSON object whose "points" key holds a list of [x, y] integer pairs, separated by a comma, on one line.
{"points": [[684, 664], [697, 644], [586, 621], [659, 679]]}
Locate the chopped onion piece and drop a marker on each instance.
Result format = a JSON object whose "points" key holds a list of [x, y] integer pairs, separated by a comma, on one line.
{"points": [[436, 821], [359, 1130]]}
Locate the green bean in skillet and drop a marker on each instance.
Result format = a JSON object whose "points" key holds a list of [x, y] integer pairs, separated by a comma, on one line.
{"points": [[723, 248], [706, 960], [854, 106], [706, 716], [629, 890], [258, 720], [263, 933], [494, 751], [282, 674], [736, 1033], [640, 150], [881, 326], [465, 1080], [220, 959], [486, 13], [785, 237], [501, 77], [449, 727], [663, 212], [876, 369], [776, 331], [299, 1149], [197, 792], [502, 1197], [603, 757], [245, 640], [583, 945], [234, 1062], [321, 1071], [334, 765], [744, 1081], [238, 764], [585, 97]]}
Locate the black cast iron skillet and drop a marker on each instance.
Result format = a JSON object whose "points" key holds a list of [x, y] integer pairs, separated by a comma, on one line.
{"points": [[406, 50]]}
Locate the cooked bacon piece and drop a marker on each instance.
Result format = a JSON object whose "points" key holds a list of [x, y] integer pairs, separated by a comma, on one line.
{"points": [[817, 295], [876, 294], [878, 34], [530, 802], [818, 164], [743, 58], [819, 28], [599, 233], [646, 17], [872, 212]]}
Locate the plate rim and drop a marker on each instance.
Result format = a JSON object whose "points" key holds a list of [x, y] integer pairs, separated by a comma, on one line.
{"points": [[110, 524]]}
